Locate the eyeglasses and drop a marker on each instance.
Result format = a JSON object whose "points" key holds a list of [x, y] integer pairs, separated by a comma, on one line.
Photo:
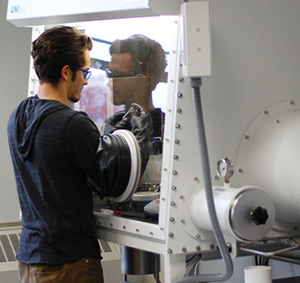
{"points": [[87, 73], [118, 74]]}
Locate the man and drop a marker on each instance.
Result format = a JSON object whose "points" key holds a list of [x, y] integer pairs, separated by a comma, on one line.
{"points": [[139, 62], [137, 66], [53, 150]]}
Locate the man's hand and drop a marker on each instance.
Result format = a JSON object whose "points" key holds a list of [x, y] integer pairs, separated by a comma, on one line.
{"points": [[115, 122]]}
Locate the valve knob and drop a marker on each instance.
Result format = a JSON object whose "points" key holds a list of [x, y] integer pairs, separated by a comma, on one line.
{"points": [[259, 215]]}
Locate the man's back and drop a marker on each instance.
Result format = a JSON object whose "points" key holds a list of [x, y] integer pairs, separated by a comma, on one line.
{"points": [[53, 150]]}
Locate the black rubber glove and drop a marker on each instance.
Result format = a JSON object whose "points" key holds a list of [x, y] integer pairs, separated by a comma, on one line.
{"points": [[141, 127], [113, 156], [114, 160], [120, 120], [115, 122]]}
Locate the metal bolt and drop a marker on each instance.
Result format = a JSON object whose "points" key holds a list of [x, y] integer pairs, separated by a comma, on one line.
{"points": [[211, 246], [266, 112], [181, 197], [177, 141], [174, 188], [170, 251], [180, 94], [151, 233], [174, 172], [177, 126], [217, 177], [241, 170], [173, 203], [196, 179], [124, 227], [111, 225], [247, 137], [198, 248], [182, 221], [172, 219], [179, 110], [181, 79], [176, 157], [184, 249], [137, 230], [171, 235], [293, 102], [198, 236], [278, 121], [163, 199]]}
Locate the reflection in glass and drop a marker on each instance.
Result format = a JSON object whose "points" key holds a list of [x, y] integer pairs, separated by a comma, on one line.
{"points": [[126, 73]]}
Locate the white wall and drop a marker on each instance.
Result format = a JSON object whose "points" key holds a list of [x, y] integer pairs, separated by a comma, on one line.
{"points": [[14, 70]]}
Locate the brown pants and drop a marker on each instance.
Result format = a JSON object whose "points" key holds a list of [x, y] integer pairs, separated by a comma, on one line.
{"points": [[86, 270]]}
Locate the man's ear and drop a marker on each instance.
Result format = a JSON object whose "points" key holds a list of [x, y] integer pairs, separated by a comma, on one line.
{"points": [[65, 72]]}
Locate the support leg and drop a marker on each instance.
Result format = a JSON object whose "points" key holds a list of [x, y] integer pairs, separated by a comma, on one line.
{"points": [[175, 267]]}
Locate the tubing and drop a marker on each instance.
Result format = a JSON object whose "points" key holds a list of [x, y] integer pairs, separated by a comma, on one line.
{"points": [[195, 84]]}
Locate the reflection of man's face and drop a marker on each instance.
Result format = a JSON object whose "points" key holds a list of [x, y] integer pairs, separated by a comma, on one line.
{"points": [[128, 86], [120, 63]]}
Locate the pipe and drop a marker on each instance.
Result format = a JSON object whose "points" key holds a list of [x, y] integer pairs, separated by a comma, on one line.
{"points": [[195, 84]]}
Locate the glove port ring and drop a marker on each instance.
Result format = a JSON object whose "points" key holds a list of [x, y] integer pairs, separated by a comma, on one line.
{"points": [[135, 170]]}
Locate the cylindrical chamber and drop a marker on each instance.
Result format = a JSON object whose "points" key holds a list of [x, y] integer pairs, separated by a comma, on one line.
{"points": [[138, 262], [272, 161], [247, 213]]}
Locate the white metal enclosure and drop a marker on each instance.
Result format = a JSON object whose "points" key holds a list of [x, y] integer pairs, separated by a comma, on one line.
{"points": [[250, 98]]}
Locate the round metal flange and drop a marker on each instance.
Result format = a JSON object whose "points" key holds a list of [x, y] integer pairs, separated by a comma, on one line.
{"points": [[135, 171]]}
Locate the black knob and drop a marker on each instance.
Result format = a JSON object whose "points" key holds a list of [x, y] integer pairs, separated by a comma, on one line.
{"points": [[259, 215]]}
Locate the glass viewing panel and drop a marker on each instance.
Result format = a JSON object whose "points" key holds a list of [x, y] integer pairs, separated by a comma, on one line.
{"points": [[97, 98], [120, 79]]}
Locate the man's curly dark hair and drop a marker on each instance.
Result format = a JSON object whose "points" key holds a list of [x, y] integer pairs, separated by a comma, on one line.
{"points": [[148, 56]]}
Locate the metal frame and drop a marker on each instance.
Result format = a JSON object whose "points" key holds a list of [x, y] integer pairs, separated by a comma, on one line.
{"points": [[175, 236], [34, 12], [282, 249]]}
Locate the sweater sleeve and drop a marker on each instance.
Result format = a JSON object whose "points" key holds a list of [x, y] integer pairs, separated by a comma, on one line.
{"points": [[80, 141]]}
